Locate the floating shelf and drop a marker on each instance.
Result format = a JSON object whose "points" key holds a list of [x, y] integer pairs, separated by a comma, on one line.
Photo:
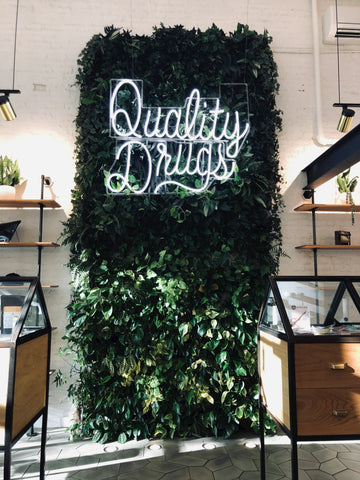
{"points": [[328, 247], [324, 207], [28, 203], [28, 244], [44, 287]]}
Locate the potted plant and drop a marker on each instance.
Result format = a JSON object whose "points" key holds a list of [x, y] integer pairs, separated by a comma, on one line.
{"points": [[9, 176], [347, 185]]}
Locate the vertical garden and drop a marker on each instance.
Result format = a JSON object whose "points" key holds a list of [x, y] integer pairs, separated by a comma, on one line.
{"points": [[167, 287]]}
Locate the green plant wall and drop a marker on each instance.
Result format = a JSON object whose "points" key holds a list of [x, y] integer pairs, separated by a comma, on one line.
{"points": [[167, 288]]}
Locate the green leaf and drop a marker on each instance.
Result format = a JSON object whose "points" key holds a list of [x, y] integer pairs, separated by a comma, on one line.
{"points": [[224, 395], [167, 288], [221, 357]]}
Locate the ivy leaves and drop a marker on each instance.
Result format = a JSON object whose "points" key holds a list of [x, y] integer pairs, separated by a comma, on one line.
{"points": [[162, 324]]}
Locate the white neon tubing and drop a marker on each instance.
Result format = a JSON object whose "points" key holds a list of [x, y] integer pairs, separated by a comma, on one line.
{"points": [[199, 124], [129, 146], [114, 114]]}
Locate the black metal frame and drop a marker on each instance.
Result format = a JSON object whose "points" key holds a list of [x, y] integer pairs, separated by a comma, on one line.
{"points": [[291, 341], [44, 181], [340, 156], [16, 340]]}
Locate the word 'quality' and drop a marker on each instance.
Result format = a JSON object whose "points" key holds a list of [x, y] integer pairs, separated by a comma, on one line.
{"points": [[160, 149]]}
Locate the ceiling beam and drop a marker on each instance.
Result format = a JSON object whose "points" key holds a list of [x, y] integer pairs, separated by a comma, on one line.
{"points": [[339, 157]]}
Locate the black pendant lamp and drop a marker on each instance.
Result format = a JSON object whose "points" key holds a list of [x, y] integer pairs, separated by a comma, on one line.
{"points": [[6, 108]]}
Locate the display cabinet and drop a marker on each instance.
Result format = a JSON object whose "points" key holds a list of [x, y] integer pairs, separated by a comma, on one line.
{"points": [[309, 359], [25, 338]]}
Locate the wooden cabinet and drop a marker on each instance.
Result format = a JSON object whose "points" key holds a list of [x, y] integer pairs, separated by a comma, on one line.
{"points": [[331, 412], [328, 389], [326, 396], [309, 359], [327, 365], [274, 374], [25, 339]]}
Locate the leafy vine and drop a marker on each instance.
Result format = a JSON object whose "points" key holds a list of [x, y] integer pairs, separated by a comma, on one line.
{"points": [[166, 289]]}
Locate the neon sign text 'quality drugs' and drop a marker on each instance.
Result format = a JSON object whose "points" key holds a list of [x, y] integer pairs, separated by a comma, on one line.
{"points": [[160, 149]]}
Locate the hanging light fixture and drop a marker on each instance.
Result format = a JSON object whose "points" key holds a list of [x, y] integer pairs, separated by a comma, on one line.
{"points": [[6, 108], [346, 118], [347, 114]]}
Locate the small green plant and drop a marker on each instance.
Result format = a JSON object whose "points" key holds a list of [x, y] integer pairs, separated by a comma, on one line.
{"points": [[347, 185], [9, 171]]}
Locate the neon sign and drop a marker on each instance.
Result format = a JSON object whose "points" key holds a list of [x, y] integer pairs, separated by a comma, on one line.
{"points": [[162, 149]]}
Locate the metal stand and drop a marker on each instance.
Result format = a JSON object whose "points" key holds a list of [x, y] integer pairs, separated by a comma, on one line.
{"points": [[294, 453], [9, 443], [262, 439], [7, 462], [292, 434]]}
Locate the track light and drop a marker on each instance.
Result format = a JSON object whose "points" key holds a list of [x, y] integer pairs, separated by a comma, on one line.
{"points": [[347, 113], [346, 118], [6, 108]]}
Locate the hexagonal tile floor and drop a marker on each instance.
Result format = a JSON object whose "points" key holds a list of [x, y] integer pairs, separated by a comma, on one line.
{"points": [[189, 459]]}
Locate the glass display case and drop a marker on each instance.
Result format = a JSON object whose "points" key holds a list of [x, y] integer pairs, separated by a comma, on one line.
{"points": [[309, 359], [25, 336], [302, 307]]}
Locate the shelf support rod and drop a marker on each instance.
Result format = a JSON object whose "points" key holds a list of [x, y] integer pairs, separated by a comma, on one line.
{"points": [[41, 218], [44, 181], [313, 217]]}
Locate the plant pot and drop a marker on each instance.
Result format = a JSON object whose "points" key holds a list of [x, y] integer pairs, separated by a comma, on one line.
{"points": [[20, 189], [7, 192], [348, 198], [345, 198]]}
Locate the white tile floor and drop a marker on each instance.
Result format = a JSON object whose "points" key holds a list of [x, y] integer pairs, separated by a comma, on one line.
{"points": [[182, 459]]}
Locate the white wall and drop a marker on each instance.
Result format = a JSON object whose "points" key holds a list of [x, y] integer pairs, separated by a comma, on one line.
{"points": [[51, 34]]}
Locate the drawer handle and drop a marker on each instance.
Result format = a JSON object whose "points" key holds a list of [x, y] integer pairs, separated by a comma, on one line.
{"points": [[338, 366], [340, 413]]}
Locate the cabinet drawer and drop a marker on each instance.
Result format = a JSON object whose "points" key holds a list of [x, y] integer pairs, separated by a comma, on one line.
{"points": [[327, 365], [328, 411]]}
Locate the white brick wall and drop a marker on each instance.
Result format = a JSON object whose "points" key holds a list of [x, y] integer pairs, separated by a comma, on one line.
{"points": [[51, 34]]}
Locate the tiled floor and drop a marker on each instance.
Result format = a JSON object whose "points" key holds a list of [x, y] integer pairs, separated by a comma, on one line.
{"points": [[235, 459]]}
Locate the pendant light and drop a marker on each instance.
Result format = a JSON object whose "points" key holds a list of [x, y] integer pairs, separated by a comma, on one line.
{"points": [[347, 114], [346, 118], [6, 108]]}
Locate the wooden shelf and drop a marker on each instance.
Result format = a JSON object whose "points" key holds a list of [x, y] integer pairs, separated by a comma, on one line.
{"points": [[326, 207], [42, 286], [28, 244], [28, 203], [329, 247]]}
